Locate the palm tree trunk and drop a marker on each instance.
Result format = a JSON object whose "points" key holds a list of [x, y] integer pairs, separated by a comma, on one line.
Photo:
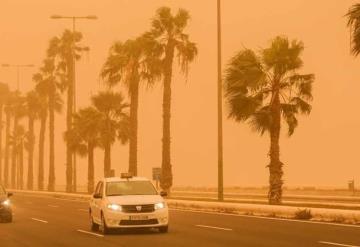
{"points": [[14, 156], [51, 184], [166, 176], [7, 149], [21, 164], [134, 91], [69, 112], [90, 168], [107, 159], [30, 175], [275, 166], [41, 151], [1, 137]]}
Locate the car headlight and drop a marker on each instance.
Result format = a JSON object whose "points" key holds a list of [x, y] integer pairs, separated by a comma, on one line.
{"points": [[6, 203], [114, 207], [159, 205]]}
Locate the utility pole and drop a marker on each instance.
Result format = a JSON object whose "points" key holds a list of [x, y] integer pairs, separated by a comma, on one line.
{"points": [[219, 99], [18, 67]]}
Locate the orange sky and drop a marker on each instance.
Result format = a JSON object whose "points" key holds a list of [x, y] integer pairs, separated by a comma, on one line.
{"points": [[323, 151]]}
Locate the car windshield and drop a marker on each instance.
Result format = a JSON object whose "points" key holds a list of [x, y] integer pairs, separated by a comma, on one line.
{"points": [[123, 188]]}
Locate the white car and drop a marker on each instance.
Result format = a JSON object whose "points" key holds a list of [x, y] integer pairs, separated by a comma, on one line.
{"points": [[128, 202]]}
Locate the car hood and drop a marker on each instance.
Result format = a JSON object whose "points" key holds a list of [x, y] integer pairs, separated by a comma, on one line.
{"points": [[135, 199]]}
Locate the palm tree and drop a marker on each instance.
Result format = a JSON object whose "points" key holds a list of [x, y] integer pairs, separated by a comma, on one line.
{"points": [[265, 88], [353, 16], [168, 32], [8, 114], [85, 136], [18, 111], [4, 93], [33, 104], [114, 122], [62, 48], [128, 63], [17, 142], [43, 119], [47, 86]]}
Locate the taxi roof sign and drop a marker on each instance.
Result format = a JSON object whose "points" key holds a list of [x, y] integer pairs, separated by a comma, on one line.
{"points": [[126, 175]]}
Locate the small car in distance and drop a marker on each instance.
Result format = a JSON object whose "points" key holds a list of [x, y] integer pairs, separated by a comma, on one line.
{"points": [[5, 206], [127, 202]]}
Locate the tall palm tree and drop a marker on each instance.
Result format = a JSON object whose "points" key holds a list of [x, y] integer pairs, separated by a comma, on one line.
{"points": [[4, 93], [32, 110], [114, 122], [353, 16], [86, 131], [265, 88], [129, 63], [61, 48], [171, 40], [47, 86], [43, 114]]}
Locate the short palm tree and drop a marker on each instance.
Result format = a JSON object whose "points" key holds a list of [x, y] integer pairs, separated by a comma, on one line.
{"points": [[353, 16], [8, 113], [33, 104], [114, 122], [170, 40], [86, 132], [61, 49], [4, 93], [18, 112], [129, 63], [265, 88], [17, 141]]}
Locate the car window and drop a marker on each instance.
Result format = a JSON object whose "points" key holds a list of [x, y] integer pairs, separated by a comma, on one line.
{"points": [[97, 188], [101, 189], [130, 188]]}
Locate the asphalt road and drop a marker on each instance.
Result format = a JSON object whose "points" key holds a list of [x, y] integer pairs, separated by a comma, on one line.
{"points": [[41, 221]]}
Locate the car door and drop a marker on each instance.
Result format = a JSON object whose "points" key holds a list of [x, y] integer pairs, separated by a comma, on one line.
{"points": [[95, 202]]}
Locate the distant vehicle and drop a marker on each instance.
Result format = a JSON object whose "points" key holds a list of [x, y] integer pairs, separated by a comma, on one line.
{"points": [[128, 202], [5, 206]]}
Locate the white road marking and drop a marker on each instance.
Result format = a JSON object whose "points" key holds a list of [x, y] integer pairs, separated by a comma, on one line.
{"points": [[337, 244], [215, 227], [268, 218], [53, 206], [84, 210], [90, 233], [42, 221]]}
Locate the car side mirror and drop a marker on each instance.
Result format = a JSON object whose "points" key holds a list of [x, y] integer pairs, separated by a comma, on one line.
{"points": [[9, 194], [97, 196], [163, 193]]}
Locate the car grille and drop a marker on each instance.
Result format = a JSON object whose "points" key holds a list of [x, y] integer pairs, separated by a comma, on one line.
{"points": [[138, 222], [147, 208]]}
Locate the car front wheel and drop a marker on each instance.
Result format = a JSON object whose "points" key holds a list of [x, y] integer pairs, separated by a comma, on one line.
{"points": [[103, 227]]}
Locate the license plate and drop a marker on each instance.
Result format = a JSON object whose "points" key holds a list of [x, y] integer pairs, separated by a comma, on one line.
{"points": [[139, 217]]}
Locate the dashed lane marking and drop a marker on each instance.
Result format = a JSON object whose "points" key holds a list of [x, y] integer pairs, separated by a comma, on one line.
{"points": [[90, 233], [215, 227]]}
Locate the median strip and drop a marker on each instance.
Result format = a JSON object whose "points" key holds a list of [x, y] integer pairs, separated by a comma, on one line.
{"points": [[215, 227], [42, 221], [337, 244], [90, 233]]}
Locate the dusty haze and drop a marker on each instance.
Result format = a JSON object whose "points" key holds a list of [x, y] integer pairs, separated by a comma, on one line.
{"points": [[324, 150]]}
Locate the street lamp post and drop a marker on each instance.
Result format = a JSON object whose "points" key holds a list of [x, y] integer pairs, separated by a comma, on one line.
{"points": [[74, 18], [18, 67], [219, 101]]}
